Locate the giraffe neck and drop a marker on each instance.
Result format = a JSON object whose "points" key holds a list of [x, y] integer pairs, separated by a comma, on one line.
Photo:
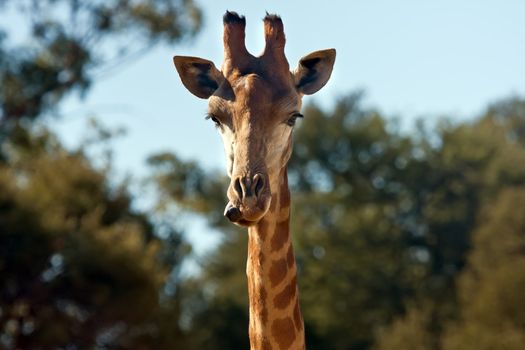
{"points": [[275, 316]]}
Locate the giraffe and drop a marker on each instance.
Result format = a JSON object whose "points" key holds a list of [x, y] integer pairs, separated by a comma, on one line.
{"points": [[254, 103]]}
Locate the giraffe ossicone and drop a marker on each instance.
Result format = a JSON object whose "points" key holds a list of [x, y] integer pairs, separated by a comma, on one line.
{"points": [[254, 102]]}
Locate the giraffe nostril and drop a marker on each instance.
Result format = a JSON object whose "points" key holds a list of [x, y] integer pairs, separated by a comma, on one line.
{"points": [[238, 188], [245, 187], [258, 184]]}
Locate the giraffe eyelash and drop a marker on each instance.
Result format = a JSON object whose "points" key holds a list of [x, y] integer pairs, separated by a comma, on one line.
{"points": [[214, 119], [293, 118]]}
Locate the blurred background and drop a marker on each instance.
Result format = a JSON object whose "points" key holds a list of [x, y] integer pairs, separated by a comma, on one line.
{"points": [[408, 177]]}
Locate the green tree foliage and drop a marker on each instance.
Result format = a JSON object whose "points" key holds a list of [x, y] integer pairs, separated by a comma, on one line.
{"points": [[475, 164], [491, 288], [409, 332], [190, 186], [78, 266], [73, 42]]}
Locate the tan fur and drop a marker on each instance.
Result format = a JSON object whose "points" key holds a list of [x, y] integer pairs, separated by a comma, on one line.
{"points": [[254, 100]]}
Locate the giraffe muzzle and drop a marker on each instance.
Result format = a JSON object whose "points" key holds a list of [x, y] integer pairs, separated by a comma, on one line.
{"points": [[249, 199]]}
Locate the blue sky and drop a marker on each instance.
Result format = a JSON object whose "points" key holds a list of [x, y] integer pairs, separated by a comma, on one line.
{"points": [[413, 58]]}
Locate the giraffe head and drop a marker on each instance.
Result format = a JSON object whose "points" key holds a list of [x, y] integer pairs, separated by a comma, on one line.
{"points": [[254, 102]]}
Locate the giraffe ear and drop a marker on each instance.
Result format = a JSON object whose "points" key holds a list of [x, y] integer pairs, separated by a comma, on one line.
{"points": [[198, 75], [314, 70]]}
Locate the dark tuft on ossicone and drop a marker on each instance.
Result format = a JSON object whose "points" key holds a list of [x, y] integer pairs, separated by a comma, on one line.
{"points": [[271, 18], [231, 17]]}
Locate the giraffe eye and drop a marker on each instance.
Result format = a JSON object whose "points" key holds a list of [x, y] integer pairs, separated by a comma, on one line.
{"points": [[291, 121], [214, 119]]}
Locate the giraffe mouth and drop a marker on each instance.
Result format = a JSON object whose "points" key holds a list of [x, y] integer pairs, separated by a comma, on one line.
{"points": [[244, 215], [233, 214]]}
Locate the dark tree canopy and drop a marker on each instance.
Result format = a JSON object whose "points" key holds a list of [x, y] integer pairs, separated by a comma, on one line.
{"points": [[79, 267]]}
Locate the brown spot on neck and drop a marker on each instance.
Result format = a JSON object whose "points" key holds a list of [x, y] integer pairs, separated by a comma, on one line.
{"points": [[283, 331], [286, 296], [281, 235], [278, 271]]}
